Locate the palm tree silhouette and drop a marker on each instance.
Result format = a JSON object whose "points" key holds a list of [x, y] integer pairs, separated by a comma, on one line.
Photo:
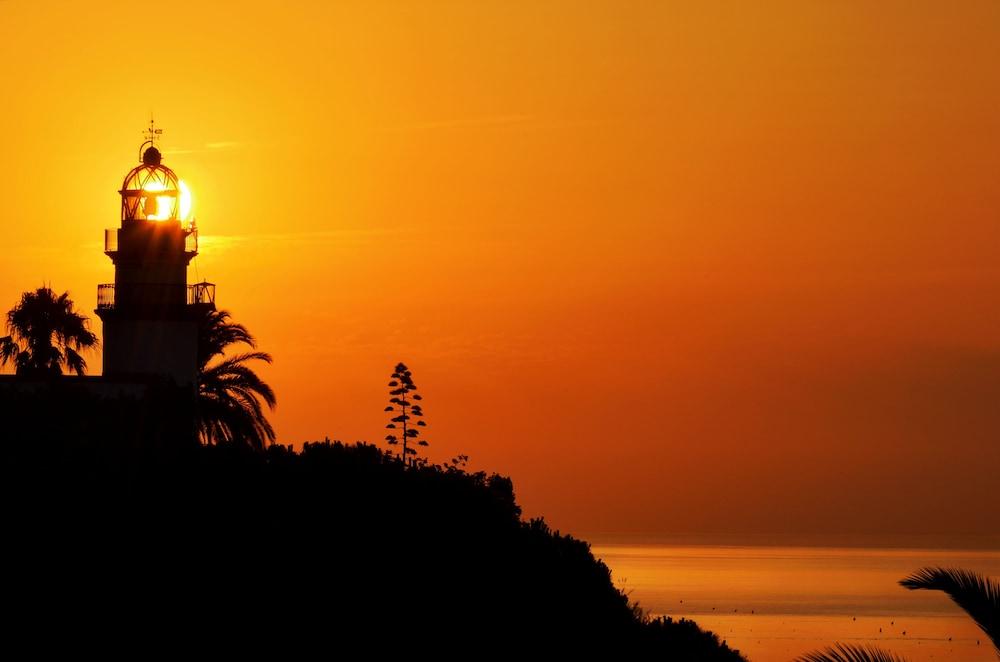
{"points": [[46, 333], [229, 406], [977, 594], [849, 653]]}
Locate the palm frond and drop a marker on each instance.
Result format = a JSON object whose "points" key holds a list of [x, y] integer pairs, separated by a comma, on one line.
{"points": [[9, 350], [849, 653], [977, 594], [75, 362], [232, 372], [230, 393], [216, 333]]}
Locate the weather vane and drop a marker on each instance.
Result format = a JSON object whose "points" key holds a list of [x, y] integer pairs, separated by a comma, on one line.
{"points": [[152, 132], [150, 136]]}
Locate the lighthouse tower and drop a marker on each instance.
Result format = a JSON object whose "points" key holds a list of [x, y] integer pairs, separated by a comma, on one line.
{"points": [[150, 313]]}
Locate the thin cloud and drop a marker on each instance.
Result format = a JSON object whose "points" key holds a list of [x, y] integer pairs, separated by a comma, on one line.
{"points": [[226, 144], [216, 241], [209, 147]]}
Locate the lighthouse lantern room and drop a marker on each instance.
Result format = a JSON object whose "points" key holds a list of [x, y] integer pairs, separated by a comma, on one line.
{"points": [[150, 313]]}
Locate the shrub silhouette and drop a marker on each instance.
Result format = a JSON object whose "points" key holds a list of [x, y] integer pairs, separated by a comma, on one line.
{"points": [[223, 546]]}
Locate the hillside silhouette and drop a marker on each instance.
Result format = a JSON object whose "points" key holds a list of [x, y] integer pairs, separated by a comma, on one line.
{"points": [[332, 546]]}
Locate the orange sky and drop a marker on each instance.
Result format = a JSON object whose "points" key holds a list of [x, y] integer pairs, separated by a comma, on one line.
{"points": [[675, 267]]}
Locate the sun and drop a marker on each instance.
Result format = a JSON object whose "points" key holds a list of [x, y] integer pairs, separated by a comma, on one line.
{"points": [[164, 203]]}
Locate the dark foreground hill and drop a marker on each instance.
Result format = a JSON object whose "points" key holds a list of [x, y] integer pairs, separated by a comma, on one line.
{"points": [[324, 550]]}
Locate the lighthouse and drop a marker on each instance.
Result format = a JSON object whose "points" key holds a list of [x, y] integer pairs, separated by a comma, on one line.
{"points": [[150, 313]]}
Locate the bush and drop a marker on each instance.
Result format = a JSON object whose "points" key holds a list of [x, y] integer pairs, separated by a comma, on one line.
{"points": [[232, 547]]}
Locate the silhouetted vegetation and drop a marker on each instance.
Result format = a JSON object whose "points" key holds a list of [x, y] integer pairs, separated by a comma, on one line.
{"points": [[51, 419], [404, 403], [977, 594], [848, 653], [229, 405], [45, 333], [225, 546]]}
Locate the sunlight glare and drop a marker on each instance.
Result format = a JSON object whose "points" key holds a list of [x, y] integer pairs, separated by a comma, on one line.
{"points": [[185, 200], [163, 202]]}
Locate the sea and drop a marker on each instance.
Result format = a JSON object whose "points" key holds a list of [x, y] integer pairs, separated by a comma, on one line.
{"points": [[774, 604]]}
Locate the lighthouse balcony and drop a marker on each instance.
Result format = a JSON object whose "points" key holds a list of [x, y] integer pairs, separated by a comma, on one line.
{"points": [[156, 295]]}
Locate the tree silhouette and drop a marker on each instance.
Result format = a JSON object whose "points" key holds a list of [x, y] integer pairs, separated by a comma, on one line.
{"points": [[403, 394], [45, 334], [849, 653], [977, 594], [230, 394]]}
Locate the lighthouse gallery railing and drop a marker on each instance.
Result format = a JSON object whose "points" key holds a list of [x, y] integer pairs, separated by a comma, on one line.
{"points": [[198, 293]]}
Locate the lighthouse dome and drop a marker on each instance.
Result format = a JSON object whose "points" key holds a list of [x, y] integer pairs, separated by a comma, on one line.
{"points": [[150, 191]]}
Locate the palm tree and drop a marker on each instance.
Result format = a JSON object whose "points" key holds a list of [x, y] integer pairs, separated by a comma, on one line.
{"points": [[977, 594], [848, 653], [229, 407], [45, 334]]}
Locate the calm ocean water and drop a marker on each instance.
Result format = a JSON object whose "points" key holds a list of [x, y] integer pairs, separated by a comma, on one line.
{"points": [[775, 603]]}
